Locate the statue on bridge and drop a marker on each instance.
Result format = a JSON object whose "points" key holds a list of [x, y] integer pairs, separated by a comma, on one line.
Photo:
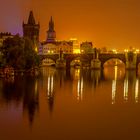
{"points": [[95, 63], [61, 63]]}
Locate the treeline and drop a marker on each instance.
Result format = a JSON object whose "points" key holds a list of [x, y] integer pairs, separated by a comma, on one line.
{"points": [[19, 53]]}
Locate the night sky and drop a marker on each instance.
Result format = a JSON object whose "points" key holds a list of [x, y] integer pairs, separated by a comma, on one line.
{"points": [[110, 23]]}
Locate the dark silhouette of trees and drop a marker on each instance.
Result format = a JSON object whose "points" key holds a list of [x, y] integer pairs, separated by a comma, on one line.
{"points": [[19, 53]]}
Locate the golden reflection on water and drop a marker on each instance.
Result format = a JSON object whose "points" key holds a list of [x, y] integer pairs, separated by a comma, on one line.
{"points": [[130, 83], [80, 89], [116, 72], [126, 89], [114, 84], [50, 86], [137, 91], [67, 103], [113, 91], [117, 75]]}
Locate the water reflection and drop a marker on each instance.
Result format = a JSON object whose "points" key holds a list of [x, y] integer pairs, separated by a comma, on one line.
{"points": [[126, 89], [137, 91], [20, 91], [113, 86], [80, 89], [113, 91], [31, 98], [131, 87], [50, 92], [96, 77], [47, 85], [82, 81]]}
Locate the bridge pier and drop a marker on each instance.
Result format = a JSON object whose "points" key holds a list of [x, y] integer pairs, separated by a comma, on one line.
{"points": [[131, 60], [95, 64], [60, 63], [130, 66]]}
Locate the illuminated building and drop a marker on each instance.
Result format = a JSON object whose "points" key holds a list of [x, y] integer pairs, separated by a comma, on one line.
{"points": [[51, 45], [31, 30], [55, 47], [86, 47], [65, 46], [76, 46]]}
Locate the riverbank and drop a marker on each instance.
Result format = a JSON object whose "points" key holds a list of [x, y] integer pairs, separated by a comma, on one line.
{"points": [[10, 72]]}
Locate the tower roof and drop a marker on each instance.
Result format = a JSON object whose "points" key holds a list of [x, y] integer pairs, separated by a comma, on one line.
{"points": [[31, 19], [51, 24]]}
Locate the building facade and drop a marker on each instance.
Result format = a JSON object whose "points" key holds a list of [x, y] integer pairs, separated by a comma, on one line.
{"points": [[76, 45], [57, 46], [86, 47]]}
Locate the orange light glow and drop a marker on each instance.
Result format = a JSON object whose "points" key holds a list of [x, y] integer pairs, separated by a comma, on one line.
{"points": [[76, 51]]}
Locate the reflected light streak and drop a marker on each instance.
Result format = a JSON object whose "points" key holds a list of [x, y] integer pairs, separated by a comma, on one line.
{"points": [[80, 89], [50, 85], [116, 72], [114, 84], [126, 89], [137, 90], [77, 73], [36, 87]]}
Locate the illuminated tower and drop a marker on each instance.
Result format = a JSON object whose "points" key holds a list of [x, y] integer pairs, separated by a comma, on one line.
{"points": [[31, 29], [51, 34]]}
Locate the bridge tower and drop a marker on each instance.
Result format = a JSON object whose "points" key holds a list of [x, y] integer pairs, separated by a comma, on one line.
{"points": [[31, 30], [51, 34]]}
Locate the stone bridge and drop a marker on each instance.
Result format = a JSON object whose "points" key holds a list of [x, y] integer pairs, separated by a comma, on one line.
{"points": [[103, 57], [69, 57]]}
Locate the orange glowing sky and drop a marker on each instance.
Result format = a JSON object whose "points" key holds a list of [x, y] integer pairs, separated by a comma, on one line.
{"points": [[110, 23]]}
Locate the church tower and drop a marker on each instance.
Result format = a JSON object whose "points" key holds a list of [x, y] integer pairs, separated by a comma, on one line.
{"points": [[31, 29], [51, 34]]}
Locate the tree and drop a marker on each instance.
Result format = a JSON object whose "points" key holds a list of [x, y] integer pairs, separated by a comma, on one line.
{"points": [[19, 53]]}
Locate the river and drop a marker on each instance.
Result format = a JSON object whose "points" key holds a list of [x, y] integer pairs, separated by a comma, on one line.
{"points": [[77, 104]]}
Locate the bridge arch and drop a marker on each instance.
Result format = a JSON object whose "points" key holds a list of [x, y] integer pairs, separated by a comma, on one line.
{"points": [[82, 57], [106, 57], [113, 61], [76, 61], [48, 61], [53, 57]]}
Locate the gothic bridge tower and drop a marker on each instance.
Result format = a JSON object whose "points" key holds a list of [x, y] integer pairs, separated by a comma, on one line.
{"points": [[51, 34], [31, 30]]}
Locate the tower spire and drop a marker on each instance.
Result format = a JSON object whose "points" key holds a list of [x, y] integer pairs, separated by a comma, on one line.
{"points": [[51, 34], [31, 19], [51, 24]]}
